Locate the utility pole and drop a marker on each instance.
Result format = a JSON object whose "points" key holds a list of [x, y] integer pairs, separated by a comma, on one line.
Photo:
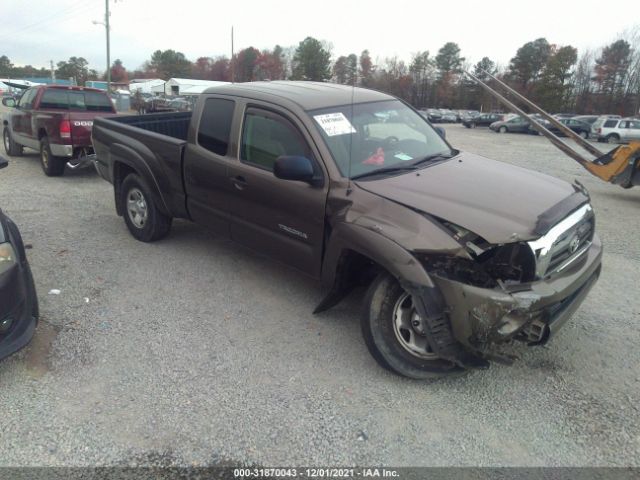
{"points": [[53, 72], [232, 59], [106, 19]]}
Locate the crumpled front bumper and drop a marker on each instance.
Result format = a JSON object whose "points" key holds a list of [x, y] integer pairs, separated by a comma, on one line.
{"points": [[529, 312]]}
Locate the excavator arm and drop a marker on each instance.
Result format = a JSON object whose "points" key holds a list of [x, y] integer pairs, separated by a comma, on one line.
{"points": [[621, 166]]}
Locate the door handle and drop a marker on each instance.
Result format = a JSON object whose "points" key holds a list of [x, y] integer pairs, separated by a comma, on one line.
{"points": [[239, 182]]}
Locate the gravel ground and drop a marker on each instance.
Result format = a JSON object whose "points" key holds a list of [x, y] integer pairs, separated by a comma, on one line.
{"points": [[195, 350]]}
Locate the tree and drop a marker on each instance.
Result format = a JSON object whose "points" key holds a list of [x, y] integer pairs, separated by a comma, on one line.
{"points": [[311, 61], [555, 85], [167, 64], [478, 99], [422, 71], [583, 83], [118, 72], [526, 67], [448, 62], [345, 70], [202, 68], [270, 64], [611, 71], [6, 67], [245, 65], [76, 68], [366, 68], [221, 69]]}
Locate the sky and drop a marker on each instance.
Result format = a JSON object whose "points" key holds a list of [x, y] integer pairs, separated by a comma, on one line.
{"points": [[37, 31]]}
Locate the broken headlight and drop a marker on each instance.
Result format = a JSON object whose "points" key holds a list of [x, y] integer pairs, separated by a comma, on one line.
{"points": [[489, 264]]}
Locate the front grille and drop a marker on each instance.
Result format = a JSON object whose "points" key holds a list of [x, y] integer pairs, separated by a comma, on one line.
{"points": [[565, 242], [571, 243]]}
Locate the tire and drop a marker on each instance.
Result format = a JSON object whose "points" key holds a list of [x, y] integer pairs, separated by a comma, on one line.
{"points": [[584, 134], [502, 129], [51, 166], [12, 148], [142, 216], [613, 138], [382, 334], [473, 125]]}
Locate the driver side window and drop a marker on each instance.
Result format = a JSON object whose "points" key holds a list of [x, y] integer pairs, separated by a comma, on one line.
{"points": [[26, 101], [267, 136]]}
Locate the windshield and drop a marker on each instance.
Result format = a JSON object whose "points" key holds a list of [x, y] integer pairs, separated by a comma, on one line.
{"points": [[370, 136]]}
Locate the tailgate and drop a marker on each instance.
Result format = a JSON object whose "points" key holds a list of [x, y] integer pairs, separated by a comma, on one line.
{"points": [[81, 125]]}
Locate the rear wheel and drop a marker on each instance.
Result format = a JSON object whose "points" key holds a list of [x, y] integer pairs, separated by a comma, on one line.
{"points": [[143, 218], [10, 146], [395, 335], [51, 166], [613, 138]]}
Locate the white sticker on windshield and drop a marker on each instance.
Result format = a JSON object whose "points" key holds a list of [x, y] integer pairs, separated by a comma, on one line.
{"points": [[334, 124], [403, 156]]}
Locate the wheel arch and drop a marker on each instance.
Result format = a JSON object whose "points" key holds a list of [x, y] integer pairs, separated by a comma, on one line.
{"points": [[126, 161], [354, 255]]}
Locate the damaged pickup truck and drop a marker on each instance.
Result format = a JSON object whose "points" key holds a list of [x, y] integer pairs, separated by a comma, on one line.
{"points": [[459, 253]]}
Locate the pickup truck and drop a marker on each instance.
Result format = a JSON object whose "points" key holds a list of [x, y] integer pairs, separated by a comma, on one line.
{"points": [[55, 120], [459, 254]]}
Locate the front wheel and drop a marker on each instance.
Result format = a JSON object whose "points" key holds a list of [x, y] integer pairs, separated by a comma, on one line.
{"points": [[142, 216], [584, 134], [51, 166], [10, 146], [502, 130], [395, 334]]}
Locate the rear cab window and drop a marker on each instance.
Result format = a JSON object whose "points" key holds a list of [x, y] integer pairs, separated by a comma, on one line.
{"points": [[610, 124], [215, 125], [76, 100]]}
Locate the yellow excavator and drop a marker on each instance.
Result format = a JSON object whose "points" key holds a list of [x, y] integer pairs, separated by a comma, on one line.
{"points": [[620, 166]]}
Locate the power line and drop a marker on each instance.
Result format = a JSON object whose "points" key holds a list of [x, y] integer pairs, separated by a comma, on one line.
{"points": [[66, 14]]}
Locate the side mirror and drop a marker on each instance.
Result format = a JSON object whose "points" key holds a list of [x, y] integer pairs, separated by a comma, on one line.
{"points": [[441, 132], [9, 102], [294, 167], [3, 162]]}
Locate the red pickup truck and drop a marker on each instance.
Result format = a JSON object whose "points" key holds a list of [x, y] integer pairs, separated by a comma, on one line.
{"points": [[56, 121]]}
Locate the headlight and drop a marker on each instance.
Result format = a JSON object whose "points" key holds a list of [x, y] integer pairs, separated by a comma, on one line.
{"points": [[8, 257]]}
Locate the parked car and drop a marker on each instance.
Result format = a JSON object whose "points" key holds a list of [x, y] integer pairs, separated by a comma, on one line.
{"points": [[179, 105], [55, 120], [434, 115], [581, 128], [590, 119], [448, 116], [512, 125], [482, 120], [18, 299], [615, 130], [459, 253], [599, 122]]}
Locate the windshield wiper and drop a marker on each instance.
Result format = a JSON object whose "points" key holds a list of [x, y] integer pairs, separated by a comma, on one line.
{"points": [[436, 156], [380, 171]]}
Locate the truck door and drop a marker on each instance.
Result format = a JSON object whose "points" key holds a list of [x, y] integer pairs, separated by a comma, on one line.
{"points": [[205, 166], [21, 118], [283, 219]]}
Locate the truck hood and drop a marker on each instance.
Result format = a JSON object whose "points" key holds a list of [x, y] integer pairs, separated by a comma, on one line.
{"points": [[496, 200]]}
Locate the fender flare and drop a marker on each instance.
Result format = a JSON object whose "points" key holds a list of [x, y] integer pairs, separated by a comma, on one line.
{"points": [[125, 155], [391, 256]]}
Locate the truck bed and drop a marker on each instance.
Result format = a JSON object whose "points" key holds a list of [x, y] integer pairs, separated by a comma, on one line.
{"points": [[153, 142], [172, 124]]}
